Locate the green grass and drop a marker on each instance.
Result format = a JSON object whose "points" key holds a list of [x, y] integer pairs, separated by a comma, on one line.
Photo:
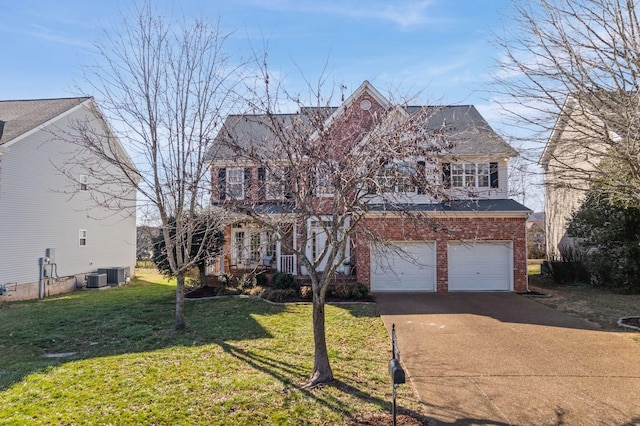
{"points": [[533, 266], [240, 361]]}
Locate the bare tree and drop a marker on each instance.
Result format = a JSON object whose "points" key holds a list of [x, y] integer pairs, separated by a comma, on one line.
{"points": [[327, 170], [570, 72], [164, 84]]}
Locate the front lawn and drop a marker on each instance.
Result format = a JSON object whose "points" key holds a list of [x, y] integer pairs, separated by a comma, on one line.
{"points": [[596, 305], [240, 361]]}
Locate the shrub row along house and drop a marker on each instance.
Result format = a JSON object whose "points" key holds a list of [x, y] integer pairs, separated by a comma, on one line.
{"points": [[56, 224], [399, 198]]}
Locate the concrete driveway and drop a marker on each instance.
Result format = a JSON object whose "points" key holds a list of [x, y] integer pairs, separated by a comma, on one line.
{"points": [[500, 358]]}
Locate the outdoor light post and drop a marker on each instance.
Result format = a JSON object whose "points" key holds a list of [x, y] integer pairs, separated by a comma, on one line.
{"points": [[395, 370]]}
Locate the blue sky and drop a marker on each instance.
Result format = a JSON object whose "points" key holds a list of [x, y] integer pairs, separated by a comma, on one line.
{"points": [[440, 48]]}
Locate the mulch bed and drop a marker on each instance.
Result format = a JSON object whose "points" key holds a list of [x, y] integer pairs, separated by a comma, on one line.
{"points": [[386, 419], [630, 322], [209, 291]]}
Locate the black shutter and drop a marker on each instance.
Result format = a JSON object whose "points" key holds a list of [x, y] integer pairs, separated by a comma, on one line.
{"points": [[312, 182], [493, 170], [262, 184], [421, 175], [446, 175], [248, 184], [288, 183], [222, 183]]}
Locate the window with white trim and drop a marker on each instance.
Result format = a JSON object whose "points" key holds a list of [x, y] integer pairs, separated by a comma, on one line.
{"points": [[275, 184], [84, 181], [82, 237], [397, 177], [235, 183], [470, 175], [323, 184]]}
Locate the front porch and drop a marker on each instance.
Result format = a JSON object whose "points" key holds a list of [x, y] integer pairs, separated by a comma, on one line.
{"points": [[250, 248]]}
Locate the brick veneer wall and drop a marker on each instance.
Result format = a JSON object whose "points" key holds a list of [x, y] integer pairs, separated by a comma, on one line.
{"points": [[443, 230], [29, 291]]}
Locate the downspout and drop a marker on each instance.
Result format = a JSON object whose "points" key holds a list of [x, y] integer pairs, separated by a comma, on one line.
{"points": [[41, 284]]}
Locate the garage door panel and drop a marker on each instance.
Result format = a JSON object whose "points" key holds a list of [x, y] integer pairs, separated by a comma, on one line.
{"points": [[480, 266], [409, 268]]}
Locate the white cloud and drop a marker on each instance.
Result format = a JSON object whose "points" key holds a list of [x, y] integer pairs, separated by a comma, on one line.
{"points": [[406, 14]]}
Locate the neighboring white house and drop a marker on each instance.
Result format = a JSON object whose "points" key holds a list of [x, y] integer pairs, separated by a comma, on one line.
{"points": [[52, 232]]}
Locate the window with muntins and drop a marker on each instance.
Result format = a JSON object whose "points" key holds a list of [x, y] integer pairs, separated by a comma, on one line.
{"points": [[82, 237], [275, 184], [397, 178], [235, 183], [470, 175]]}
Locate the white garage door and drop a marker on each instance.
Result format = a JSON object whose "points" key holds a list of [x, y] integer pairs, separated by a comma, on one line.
{"points": [[480, 266], [412, 269]]}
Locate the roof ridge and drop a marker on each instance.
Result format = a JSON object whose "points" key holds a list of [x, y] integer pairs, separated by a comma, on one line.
{"points": [[46, 99]]}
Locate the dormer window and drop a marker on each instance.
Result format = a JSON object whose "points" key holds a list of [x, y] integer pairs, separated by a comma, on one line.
{"points": [[470, 175]]}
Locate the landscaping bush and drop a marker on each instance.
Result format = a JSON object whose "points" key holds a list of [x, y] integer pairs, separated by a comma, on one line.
{"points": [[247, 281], [261, 280], [609, 232], [282, 280], [567, 272], [349, 291], [306, 292], [360, 291], [259, 291], [280, 295]]}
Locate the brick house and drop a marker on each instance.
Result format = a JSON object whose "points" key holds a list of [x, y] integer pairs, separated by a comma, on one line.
{"points": [[470, 235]]}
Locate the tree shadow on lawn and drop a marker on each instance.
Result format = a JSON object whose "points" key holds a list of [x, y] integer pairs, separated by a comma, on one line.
{"points": [[41, 334], [282, 371], [140, 318]]}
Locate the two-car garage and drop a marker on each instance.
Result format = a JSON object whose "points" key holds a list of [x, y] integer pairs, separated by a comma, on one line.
{"points": [[471, 266]]}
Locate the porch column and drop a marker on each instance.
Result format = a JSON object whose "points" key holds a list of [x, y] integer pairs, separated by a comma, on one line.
{"points": [[295, 247]]}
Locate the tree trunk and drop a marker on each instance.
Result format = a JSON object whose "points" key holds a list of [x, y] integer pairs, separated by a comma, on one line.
{"points": [[180, 324], [202, 268], [321, 368]]}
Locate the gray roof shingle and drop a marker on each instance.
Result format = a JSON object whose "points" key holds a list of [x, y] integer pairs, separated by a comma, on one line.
{"points": [[481, 205], [468, 131], [21, 116]]}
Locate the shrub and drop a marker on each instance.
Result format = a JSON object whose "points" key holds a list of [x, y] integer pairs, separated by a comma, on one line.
{"points": [[306, 292], [608, 231], [282, 280], [349, 291], [360, 291], [261, 280], [225, 279], [247, 281], [280, 295], [259, 291]]}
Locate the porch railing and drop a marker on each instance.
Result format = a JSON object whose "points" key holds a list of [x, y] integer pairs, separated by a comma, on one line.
{"points": [[287, 263]]}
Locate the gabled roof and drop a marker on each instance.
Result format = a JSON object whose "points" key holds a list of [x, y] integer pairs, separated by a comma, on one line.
{"points": [[612, 112], [463, 125], [22, 116]]}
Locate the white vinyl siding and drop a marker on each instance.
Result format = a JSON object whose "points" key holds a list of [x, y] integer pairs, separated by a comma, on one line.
{"points": [[38, 212]]}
